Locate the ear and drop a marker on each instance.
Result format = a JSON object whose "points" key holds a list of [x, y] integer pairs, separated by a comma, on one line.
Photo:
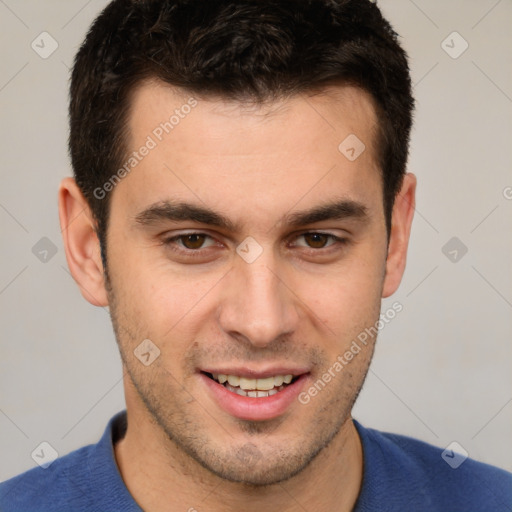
{"points": [[403, 212], [81, 243]]}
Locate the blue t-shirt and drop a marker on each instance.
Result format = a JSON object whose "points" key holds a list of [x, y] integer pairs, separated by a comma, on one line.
{"points": [[400, 474]]}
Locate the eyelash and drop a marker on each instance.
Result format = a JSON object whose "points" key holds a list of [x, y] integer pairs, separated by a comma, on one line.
{"points": [[169, 242]]}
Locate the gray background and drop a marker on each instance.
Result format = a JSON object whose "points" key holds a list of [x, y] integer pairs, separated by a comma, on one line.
{"points": [[442, 369]]}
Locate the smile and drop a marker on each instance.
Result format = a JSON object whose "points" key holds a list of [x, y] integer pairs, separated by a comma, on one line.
{"points": [[255, 396], [253, 388]]}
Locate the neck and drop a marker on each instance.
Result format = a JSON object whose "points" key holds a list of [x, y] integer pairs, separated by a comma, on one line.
{"points": [[160, 476]]}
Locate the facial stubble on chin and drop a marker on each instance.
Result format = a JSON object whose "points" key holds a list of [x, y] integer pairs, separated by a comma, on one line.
{"points": [[232, 463]]}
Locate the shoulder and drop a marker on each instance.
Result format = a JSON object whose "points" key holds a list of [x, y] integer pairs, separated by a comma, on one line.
{"points": [[52, 488], [403, 472], [84, 480]]}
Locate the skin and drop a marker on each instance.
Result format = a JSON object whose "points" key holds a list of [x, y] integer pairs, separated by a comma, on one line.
{"points": [[300, 303]]}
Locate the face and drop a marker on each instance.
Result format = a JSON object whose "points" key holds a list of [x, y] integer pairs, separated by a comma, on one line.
{"points": [[245, 244]]}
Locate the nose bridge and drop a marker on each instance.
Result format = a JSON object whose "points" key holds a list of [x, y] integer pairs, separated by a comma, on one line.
{"points": [[256, 304]]}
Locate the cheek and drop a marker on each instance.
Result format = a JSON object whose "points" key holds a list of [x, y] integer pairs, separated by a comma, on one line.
{"points": [[348, 307], [163, 304], [343, 303], [353, 285]]}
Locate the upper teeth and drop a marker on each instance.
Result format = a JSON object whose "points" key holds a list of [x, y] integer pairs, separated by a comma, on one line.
{"points": [[261, 384]]}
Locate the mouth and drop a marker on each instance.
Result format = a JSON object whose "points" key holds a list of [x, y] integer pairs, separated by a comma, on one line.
{"points": [[254, 396], [252, 387]]}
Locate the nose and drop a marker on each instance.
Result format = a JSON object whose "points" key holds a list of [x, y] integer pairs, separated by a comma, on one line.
{"points": [[256, 303]]}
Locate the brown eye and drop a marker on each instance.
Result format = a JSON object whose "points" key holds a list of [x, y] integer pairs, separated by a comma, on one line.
{"points": [[192, 241], [317, 240]]}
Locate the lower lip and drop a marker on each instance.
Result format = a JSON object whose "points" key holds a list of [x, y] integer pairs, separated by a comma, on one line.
{"points": [[254, 409]]}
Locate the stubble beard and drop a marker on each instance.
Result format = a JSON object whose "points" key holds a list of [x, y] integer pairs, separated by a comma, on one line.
{"points": [[253, 463]]}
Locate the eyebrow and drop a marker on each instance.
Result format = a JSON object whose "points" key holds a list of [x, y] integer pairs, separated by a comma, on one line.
{"points": [[178, 211]]}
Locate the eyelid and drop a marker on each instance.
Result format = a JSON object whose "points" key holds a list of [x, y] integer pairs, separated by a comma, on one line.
{"points": [[335, 238], [174, 238]]}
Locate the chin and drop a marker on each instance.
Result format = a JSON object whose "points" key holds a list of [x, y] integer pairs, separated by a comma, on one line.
{"points": [[261, 474]]}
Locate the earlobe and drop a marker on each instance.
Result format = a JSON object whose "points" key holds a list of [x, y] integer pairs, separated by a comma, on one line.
{"points": [[81, 243], [403, 213]]}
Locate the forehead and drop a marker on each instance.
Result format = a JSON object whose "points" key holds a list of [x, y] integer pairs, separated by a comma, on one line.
{"points": [[250, 158], [334, 109]]}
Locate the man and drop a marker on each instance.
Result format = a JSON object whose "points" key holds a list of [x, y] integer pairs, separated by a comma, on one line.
{"points": [[241, 204]]}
